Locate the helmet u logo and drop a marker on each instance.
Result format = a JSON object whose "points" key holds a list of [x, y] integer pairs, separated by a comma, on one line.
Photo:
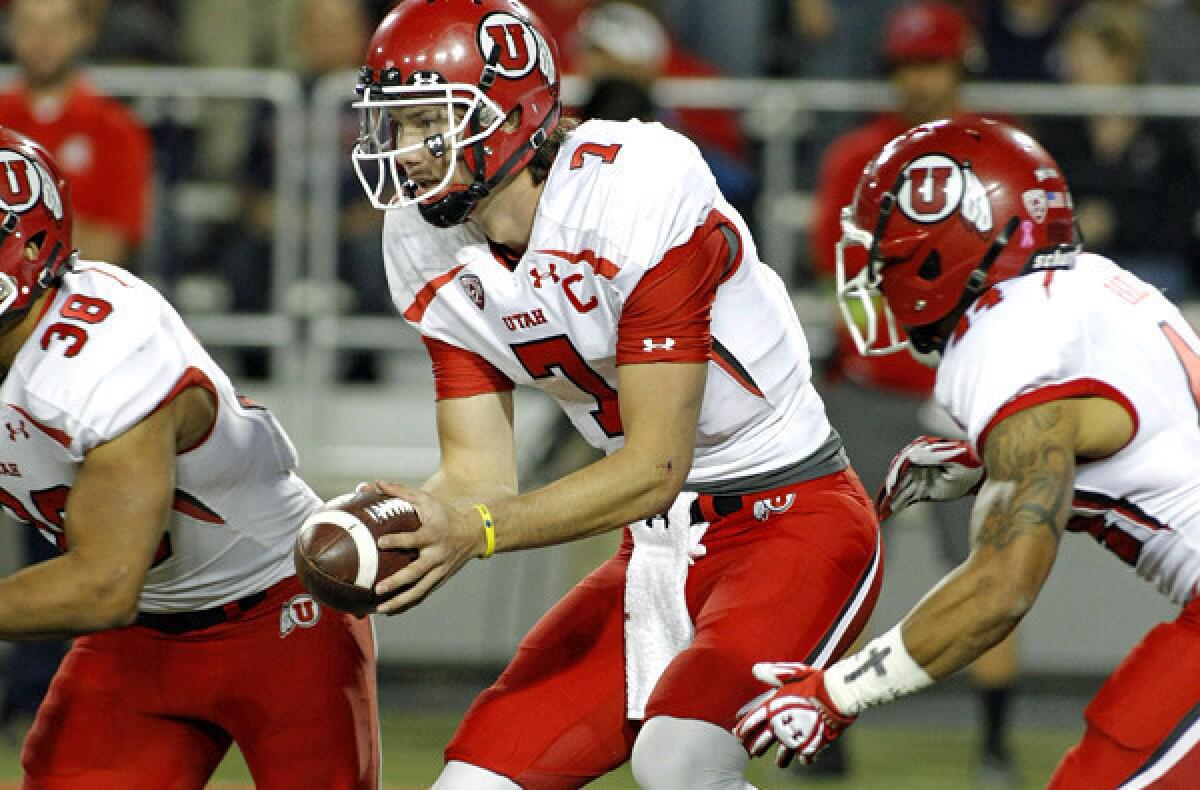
{"points": [[933, 189], [518, 48], [20, 186]]}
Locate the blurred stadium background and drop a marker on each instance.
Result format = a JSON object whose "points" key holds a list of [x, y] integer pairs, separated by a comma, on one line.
{"points": [[350, 426]]}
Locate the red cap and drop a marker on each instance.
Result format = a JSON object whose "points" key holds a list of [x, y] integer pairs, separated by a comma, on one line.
{"points": [[926, 31]]}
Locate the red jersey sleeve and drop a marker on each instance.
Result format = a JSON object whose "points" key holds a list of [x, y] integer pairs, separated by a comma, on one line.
{"points": [[112, 187], [127, 163], [668, 315], [458, 373]]}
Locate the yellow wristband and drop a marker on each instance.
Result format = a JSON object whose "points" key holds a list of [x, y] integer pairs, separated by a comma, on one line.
{"points": [[489, 531]]}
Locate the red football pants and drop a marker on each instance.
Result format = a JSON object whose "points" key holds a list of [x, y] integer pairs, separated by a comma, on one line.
{"points": [[798, 585], [134, 708], [1143, 726]]}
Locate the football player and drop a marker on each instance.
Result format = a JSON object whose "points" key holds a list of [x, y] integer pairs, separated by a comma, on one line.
{"points": [[1076, 385], [600, 263], [175, 505], [879, 402]]}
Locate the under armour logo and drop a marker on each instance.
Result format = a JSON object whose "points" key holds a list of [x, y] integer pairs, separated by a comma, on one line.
{"points": [[12, 432], [538, 276], [874, 661], [649, 345], [425, 78]]}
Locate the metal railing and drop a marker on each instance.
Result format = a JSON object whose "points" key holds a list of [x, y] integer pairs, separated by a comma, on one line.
{"points": [[306, 328], [345, 434]]}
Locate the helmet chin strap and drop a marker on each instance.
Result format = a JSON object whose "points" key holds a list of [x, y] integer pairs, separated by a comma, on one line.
{"points": [[932, 338], [454, 208]]}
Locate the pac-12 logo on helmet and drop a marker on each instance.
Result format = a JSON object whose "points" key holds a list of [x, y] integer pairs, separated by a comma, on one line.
{"points": [[24, 182]]}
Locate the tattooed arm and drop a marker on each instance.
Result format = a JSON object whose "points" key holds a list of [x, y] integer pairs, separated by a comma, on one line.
{"points": [[1017, 523]]}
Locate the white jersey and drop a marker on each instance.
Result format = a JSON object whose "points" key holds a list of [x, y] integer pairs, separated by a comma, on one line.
{"points": [[106, 353], [1097, 330], [619, 199]]}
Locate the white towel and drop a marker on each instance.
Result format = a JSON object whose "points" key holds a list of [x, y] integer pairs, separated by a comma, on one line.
{"points": [[657, 624]]}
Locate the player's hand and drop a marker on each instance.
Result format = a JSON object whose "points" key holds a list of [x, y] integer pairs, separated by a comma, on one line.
{"points": [[930, 468], [798, 714], [446, 540]]}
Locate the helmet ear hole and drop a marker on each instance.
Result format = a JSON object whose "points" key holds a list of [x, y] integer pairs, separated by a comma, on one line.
{"points": [[512, 120], [931, 267], [34, 244]]}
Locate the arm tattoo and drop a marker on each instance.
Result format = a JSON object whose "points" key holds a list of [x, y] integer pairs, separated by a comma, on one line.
{"points": [[1033, 450]]}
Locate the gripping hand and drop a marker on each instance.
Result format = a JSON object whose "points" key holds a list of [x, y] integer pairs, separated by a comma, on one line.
{"points": [[929, 469], [798, 714]]}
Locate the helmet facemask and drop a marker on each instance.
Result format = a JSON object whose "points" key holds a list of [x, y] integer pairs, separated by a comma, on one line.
{"points": [[10, 289], [860, 298], [452, 117]]}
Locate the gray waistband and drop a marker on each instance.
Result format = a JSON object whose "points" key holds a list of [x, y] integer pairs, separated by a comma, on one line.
{"points": [[830, 457]]}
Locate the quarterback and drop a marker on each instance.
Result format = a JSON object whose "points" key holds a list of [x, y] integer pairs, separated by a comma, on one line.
{"points": [[1077, 386], [175, 505], [600, 264]]}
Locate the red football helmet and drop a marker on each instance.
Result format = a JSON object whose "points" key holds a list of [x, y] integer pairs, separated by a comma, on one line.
{"points": [[946, 210], [36, 209], [474, 64]]}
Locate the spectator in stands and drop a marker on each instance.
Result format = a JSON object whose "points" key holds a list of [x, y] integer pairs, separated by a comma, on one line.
{"points": [[330, 38], [561, 18], [1020, 37], [729, 35], [830, 40], [1127, 173], [134, 31], [233, 34], [874, 400], [54, 104], [623, 49], [1175, 28]]}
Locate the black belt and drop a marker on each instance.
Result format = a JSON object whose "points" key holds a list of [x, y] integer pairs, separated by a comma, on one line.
{"points": [[722, 505], [183, 622]]}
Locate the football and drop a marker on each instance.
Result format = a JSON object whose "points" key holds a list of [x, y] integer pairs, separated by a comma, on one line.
{"points": [[337, 558]]}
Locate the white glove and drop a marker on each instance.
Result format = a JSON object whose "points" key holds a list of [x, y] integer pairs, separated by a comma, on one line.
{"points": [[798, 714], [929, 469]]}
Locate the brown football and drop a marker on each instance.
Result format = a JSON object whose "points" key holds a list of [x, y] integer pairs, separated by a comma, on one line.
{"points": [[337, 558]]}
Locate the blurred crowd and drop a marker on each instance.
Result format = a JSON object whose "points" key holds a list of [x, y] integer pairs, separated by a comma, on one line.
{"points": [[1124, 169]]}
